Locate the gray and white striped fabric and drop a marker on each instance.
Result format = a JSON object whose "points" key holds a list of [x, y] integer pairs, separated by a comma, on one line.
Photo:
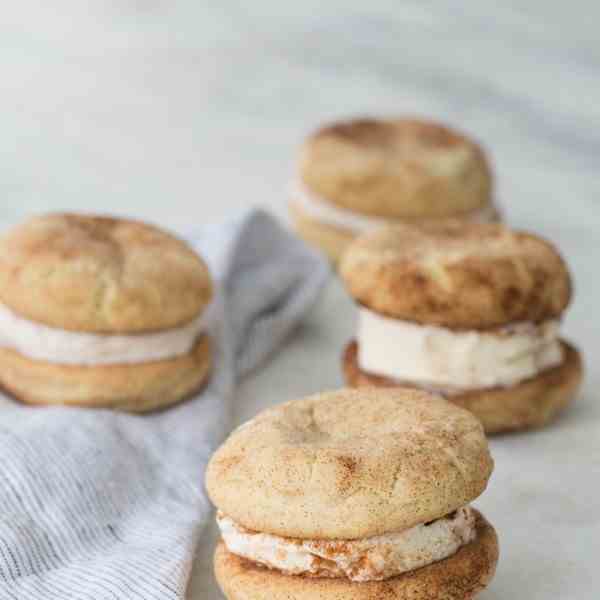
{"points": [[97, 505]]}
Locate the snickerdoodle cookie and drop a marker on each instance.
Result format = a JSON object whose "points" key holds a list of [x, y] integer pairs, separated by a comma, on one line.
{"points": [[471, 311], [354, 494], [355, 176], [101, 312]]}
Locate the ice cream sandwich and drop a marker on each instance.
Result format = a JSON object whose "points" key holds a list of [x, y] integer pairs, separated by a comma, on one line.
{"points": [[356, 495], [101, 312], [359, 175], [471, 311]]}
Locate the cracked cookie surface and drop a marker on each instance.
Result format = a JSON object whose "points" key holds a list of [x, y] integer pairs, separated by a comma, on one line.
{"points": [[350, 464], [101, 275]]}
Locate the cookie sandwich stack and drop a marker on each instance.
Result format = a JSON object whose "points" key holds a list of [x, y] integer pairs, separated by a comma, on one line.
{"points": [[356, 176], [354, 495], [471, 311], [101, 312]]}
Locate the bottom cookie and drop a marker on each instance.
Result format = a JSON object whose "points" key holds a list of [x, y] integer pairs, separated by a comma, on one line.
{"points": [[531, 403], [331, 240], [130, 387], [459, 577]]}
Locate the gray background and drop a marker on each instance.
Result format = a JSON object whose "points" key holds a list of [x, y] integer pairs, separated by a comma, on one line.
{"points": [[182, 112]]}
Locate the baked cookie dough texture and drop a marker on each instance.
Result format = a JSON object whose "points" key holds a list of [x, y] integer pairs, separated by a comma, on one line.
{"points": [[354, 494], [101, 312], [356, 176], [471, 311]]}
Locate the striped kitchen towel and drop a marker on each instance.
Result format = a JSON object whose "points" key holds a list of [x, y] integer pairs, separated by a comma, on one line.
{"points": [[98, 505]]}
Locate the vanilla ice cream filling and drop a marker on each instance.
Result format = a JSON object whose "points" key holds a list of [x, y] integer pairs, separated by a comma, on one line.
{"points": [[454, 361], [40, 342], [368, 559], [320, 210]]}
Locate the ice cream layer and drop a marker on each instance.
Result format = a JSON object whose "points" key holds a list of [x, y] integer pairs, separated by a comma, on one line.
{"points": [[370, 559], [324, 212], [40, 342], [449, 360]]}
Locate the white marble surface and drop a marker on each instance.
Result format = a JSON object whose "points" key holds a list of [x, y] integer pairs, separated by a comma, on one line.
{"points": [[183, 111]]}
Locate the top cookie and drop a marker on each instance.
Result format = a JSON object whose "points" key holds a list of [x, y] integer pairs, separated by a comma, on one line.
{"points": [[458, 275], [350, 464], [398, 169], [102, 275]]}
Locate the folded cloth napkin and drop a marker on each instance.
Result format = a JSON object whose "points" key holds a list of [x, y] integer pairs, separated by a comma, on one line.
{"points": [[101, 505]]}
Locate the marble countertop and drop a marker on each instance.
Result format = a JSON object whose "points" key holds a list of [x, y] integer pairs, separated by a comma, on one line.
{"points": [[181, 112]]}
